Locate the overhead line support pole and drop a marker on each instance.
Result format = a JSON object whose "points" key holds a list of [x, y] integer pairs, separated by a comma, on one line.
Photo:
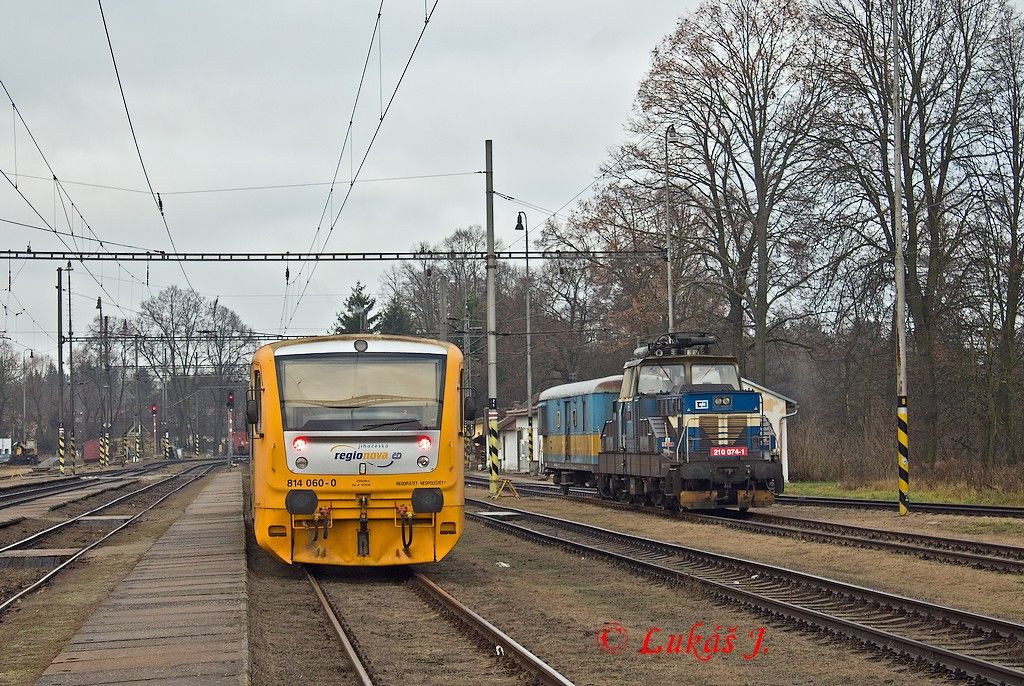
{"points": [[492, 325], [902, 410], [60, 367]]}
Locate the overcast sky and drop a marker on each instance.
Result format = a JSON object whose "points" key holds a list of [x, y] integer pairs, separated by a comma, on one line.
{"points": [[227, 94]]}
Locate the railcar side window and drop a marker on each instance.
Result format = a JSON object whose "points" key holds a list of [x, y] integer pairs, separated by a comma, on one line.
{"points": [[257, 395], [574, 417], [558, 419]]}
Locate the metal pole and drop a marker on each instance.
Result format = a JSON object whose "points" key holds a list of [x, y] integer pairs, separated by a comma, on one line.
{"points": [[110, 390], [71, 373], [492, 325], [903, 442], [24, 399], [670, 132], [529, 354], [138, 401], [231, 436], [60, 367]]}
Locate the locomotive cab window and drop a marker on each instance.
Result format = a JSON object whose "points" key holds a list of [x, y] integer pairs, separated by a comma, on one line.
{"points": [[661, 377], [328, 392], [718, 374]]}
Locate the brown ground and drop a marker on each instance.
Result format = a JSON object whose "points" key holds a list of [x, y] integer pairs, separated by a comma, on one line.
{"points": [[554, 603], [290, 638], [1005, 530], [985, 592], [404, 639], [33, 633]]}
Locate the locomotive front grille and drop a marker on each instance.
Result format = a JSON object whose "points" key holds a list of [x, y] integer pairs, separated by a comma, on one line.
{"points": [[723, 430]]}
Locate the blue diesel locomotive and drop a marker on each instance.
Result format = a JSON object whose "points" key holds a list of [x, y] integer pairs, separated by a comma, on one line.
{"points": [[676, 429]]}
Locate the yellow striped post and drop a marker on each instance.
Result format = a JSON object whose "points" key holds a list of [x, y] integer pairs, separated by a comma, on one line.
{"points": [[74, 453], [60, 448], [197, 446], [102, 461], [124, 449], [902, 429], [492, 449]]}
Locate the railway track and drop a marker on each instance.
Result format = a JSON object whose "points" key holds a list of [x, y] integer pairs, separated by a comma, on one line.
{"points": [[385, 666], [992, 556], [79, 527], [24, 493], [964, 644], [930, 508]]}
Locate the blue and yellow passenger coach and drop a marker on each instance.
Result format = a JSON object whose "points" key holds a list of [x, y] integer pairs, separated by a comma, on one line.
{"points": [[357, 449], [572, 417]]}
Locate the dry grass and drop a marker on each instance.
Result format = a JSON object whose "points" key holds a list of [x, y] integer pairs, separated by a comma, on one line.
{"points": [[826, 463]]}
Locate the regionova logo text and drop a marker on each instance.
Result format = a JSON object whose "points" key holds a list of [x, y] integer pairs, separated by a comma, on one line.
{"points": [[369, 453]]}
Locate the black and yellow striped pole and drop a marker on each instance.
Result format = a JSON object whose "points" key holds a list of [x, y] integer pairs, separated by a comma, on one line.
{"points": [[904, 454], [73, 453], [197, 446], [103, 451], [167, 446], [903, 449], [124, 449], [492, 449], [60, 448], [138, 447]]}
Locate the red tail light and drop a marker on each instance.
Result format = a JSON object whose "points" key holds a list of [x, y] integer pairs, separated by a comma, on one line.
{"points": [[424, 444], [300, 443]]}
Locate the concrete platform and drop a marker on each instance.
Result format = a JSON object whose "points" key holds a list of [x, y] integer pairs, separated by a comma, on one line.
{"points": [[180, 617]]}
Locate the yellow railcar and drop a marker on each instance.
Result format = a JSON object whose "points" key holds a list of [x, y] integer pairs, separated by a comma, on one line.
{"points": [[357, 449]]}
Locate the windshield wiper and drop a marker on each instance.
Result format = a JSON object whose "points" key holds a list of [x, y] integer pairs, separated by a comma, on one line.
{"points": [[383, 424]]}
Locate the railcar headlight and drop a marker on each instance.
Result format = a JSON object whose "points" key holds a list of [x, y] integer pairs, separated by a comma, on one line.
{"points": [[361, 346], [424, 444], [301, 462], [300, 443]]}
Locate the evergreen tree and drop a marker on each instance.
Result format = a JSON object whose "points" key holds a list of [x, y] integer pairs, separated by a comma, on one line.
{"points": [[358, 315], [396, 318]]}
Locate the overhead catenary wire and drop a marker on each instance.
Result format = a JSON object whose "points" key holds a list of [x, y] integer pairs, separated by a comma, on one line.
{"points": [[236, 189], [53, 174], [328, 201], [366, 154], [131, 126]]}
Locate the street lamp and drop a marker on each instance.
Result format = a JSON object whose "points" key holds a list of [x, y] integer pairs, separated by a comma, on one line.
{"points": [[670, 137], [523, 225]]}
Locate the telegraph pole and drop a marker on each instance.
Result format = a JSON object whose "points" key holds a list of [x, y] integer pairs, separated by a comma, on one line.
{"points": [[902, 426], [138, 403], [60, 367], [492, 325]]}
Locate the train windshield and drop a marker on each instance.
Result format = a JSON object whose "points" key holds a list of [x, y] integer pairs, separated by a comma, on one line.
{"points": [[661, 378], [361, 391], [718, 374]]}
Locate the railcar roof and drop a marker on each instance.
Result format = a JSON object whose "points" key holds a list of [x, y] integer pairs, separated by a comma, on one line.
{"points": [[607, 384], [344, 343]]}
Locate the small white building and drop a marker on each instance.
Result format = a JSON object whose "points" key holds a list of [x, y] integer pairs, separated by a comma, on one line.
{"points": [[778, 409], [513, 442], [5, 447]]}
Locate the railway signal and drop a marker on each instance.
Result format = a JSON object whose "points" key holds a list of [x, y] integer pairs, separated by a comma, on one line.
{"points": [[231, 400]]}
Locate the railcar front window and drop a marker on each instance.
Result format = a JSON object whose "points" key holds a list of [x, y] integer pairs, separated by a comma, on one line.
{"points": [[361, 392], [661, 378], [720, 374]]}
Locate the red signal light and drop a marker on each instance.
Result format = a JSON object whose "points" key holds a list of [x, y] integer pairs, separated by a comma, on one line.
{"points": [[153, 409], [300, 443], [424, 444]]}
